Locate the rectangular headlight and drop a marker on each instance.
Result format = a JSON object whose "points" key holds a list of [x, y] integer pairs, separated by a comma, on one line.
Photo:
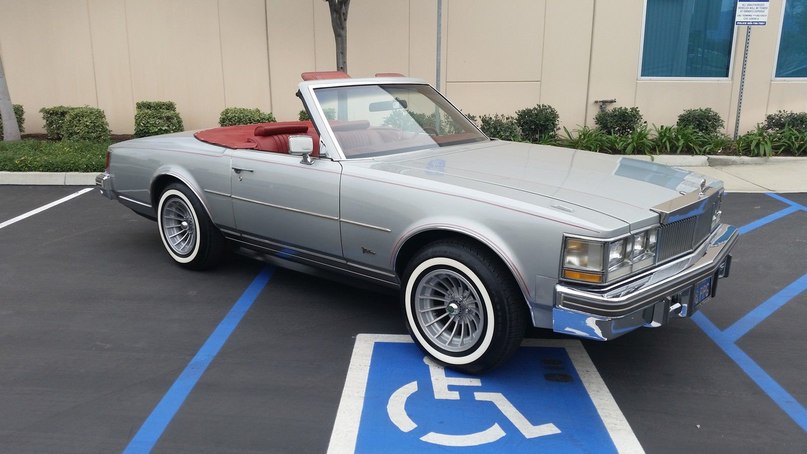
{"points": [[582, 260], [593, 261]]}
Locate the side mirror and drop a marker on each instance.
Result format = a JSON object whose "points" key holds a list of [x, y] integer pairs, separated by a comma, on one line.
{"points": [[302, 145]]}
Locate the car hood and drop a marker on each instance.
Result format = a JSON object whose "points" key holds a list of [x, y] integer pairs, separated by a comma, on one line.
{"points": [[617, 186]]}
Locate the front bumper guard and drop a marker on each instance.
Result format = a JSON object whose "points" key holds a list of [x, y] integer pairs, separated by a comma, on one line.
{"points": [[648, 300]]}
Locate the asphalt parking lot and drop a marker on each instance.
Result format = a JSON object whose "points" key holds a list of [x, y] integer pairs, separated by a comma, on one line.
{"points": [[106, 345]]}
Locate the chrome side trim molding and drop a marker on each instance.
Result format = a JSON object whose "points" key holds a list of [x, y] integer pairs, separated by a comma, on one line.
{"points": [[278, 253], [369, 226], [209, 191], [281, 207], [133, 201]]}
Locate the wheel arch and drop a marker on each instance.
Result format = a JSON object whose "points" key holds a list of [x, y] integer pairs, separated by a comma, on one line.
{"points": [[419, 239], [162, 179]]}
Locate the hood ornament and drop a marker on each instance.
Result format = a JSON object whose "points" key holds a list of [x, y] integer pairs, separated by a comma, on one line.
{"points": [[703, 188]]}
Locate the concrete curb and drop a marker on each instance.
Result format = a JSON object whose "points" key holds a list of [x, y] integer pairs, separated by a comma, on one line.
{"points": [[48, 178]]}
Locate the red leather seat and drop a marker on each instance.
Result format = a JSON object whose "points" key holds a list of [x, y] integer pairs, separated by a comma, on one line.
{"points": [[272, 137]]}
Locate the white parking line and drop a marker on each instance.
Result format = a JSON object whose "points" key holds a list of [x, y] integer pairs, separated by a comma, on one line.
{"points": [[45, 207]]}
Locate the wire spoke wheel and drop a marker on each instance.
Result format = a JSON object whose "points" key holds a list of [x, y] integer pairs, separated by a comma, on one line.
{"points": [[450, 310], [462, 306]]}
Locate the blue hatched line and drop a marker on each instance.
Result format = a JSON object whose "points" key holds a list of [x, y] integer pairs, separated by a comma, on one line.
{"points": [[786, 200], [768, 219], [771, 387], [765, 310], [792, 208], [727, 339]]}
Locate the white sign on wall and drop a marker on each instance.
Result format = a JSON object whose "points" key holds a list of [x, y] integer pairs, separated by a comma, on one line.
{"points": [[752, 12]]}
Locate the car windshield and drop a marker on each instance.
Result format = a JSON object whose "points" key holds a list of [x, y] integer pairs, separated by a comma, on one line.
{"points": [[374, 120]]}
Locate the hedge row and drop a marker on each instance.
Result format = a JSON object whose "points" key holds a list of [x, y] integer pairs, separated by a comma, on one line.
{"points": [[30, 155], [232, 116], [151, 118], [623, 131], [76, 123]]}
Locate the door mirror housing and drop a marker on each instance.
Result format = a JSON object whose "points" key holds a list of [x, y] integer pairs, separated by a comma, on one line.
{"points": [[300, 145]]}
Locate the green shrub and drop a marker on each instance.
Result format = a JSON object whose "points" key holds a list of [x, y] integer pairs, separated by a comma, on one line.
{"points": [[717, 144], [19, 112], [87, 124], [156, 117], [156, 122], [755, 143], [303, 116], [538, 123], [704, 120], [619, 120], [637, 142], [156, 105], [783, 119], [54, 120], [29, 155], [679, 140], [232, 116], [789, 141], [586, 138], [502, 127]]}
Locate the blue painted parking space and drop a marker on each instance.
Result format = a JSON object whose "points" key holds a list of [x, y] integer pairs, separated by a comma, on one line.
{"points": [[548, 398]]}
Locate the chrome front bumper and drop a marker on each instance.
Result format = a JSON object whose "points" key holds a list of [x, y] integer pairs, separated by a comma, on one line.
{"points": [[676, 288], [103, 181]]}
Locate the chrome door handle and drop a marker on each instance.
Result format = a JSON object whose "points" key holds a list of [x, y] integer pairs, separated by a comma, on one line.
{"points": [[238, 171]]}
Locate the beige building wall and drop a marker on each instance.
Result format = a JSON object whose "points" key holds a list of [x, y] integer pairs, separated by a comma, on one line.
{"points": [[494, 58]]}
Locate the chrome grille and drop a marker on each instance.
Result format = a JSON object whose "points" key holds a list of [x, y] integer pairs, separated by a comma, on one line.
{"points": [[683, 236]]}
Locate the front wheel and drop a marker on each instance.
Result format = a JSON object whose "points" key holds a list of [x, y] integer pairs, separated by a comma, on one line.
{"points": [[187, 232], [462, 306]]}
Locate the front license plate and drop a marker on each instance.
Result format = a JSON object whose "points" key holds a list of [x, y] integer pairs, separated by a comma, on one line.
{"points": [[703, 290]]}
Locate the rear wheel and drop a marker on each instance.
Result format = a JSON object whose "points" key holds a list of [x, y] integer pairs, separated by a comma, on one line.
{"points": [[186, 230], [462, 306]]}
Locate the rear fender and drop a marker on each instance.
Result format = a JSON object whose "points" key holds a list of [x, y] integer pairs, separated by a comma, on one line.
{"points": [[164, 175]]}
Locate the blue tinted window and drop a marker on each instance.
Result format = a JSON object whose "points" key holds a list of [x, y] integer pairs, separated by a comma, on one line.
{"points": [[792, 60], [688, 38]]}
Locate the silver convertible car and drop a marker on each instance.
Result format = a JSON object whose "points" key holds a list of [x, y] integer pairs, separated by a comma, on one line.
{"points": [[389, 182]]}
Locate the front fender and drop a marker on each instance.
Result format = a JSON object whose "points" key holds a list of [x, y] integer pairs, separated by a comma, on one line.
{"points": [[427, 230]]}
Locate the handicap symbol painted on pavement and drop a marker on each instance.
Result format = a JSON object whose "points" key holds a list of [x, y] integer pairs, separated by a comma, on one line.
{"points": [[396, 408], [549, 397]]}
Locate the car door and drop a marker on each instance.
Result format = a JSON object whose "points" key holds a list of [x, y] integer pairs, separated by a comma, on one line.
{"points": [[284, 204]]}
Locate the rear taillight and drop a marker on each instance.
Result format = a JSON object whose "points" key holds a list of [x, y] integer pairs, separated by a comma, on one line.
{"points": [[106, 162]]}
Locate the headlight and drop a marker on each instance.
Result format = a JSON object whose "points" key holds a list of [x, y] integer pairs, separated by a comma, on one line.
{"points": [[594, 261], [582, 260], [616, 253]]}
